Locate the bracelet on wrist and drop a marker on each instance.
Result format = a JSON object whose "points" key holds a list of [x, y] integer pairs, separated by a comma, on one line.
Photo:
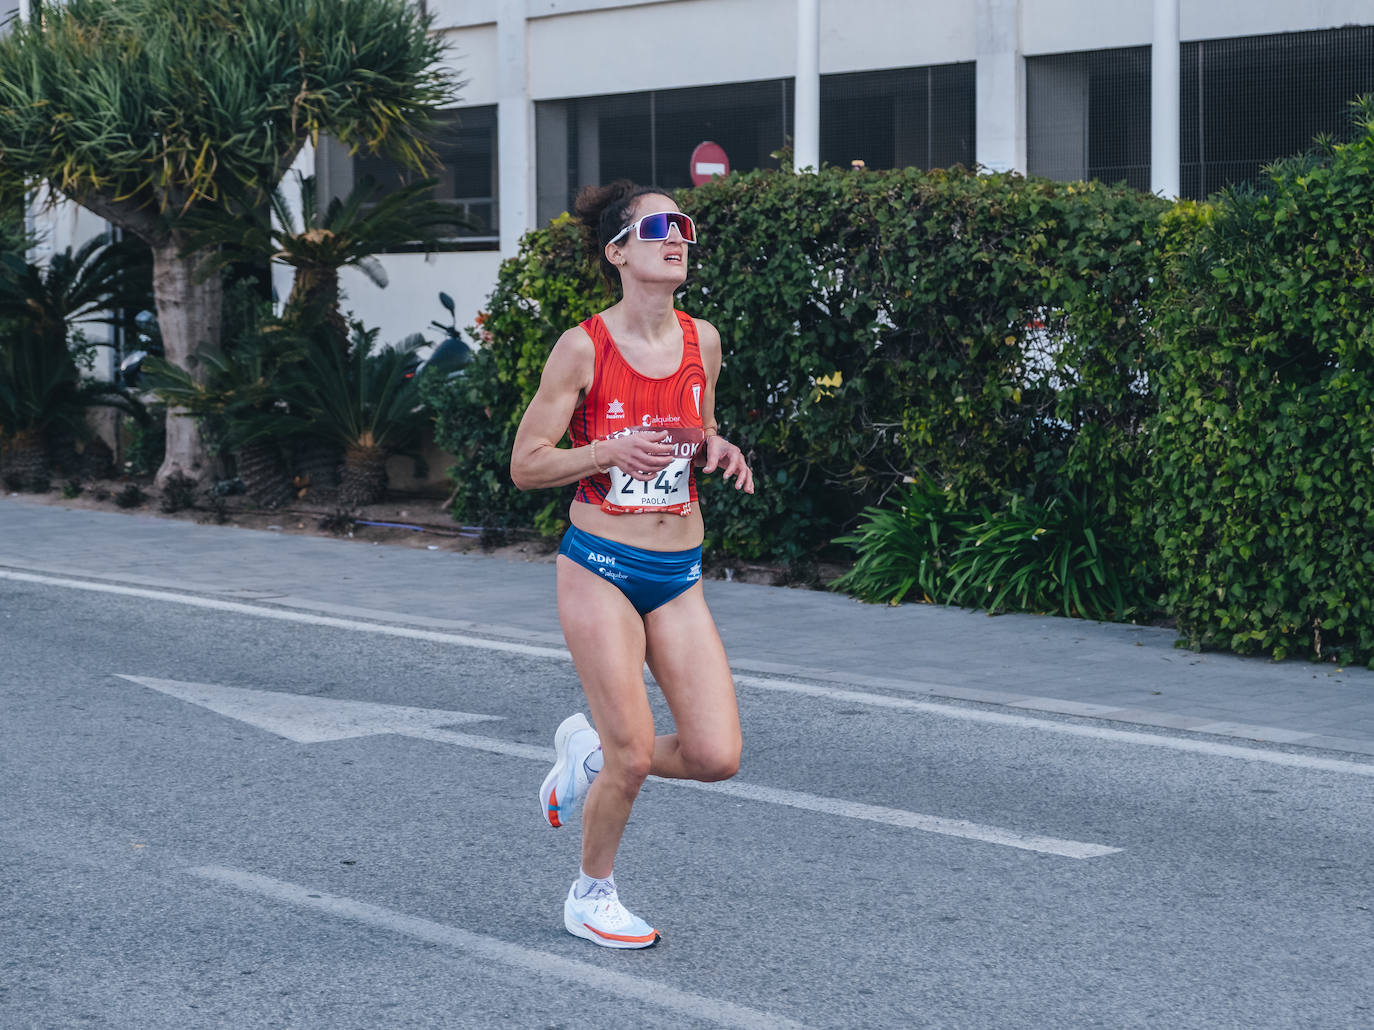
{"points": [[713, 429], [597, 461]]}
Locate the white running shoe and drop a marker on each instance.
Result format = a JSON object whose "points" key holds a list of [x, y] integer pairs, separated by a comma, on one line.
{"points": [[567, 783], [602, 919]]}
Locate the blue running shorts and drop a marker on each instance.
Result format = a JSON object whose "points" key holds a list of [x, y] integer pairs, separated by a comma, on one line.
{"points": [[650, 579]]}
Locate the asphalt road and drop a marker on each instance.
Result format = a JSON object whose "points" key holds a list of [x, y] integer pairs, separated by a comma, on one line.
{"points": [[165, 861]]}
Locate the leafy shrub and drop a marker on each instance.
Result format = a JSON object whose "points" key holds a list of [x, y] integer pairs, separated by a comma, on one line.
{"points": [[987, 331], [178, 493], [131, 496], [1264, 509], [904, 548], [339, 522], [147, 442], [1057, 558]]}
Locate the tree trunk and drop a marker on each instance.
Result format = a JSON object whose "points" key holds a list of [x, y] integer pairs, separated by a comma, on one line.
{"points": [[317, 464], [315, 297], [263, 474], [26, 461], [364, 476], [188, 315]]}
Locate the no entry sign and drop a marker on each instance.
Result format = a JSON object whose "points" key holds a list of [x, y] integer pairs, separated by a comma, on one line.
{"points": [[708, 161]]}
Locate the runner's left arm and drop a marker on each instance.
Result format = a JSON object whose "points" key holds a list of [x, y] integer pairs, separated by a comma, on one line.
{"points": [[720, 452]]}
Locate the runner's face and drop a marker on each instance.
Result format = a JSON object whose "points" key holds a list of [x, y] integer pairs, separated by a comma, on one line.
{"points": [[661, 261]]}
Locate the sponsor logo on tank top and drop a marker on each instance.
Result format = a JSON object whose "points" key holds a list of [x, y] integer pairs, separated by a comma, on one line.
{"points": [[616, 409], [696, 396], [660, 420]]}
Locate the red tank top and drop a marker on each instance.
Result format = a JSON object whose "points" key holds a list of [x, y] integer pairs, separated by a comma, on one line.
{"points": [[620, 398]]}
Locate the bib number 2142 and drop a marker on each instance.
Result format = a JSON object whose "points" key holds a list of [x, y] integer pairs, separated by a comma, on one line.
{"points": [[670, 489], [667, 489]]}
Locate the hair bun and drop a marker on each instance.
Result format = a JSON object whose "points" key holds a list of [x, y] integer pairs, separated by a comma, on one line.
{"points": [[603, 212]]}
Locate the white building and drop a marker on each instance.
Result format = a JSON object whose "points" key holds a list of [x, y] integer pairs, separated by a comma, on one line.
{"points": [[1176, 96]]}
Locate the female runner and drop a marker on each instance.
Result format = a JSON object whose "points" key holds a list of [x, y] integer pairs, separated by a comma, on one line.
{"points": [[634, 389]]}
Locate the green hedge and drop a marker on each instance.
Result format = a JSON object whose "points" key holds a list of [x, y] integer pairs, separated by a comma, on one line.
{"points": [[1265, 430], [987, 331]]}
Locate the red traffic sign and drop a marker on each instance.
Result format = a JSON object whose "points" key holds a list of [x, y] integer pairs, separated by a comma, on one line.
{"points": [[708, 161]]}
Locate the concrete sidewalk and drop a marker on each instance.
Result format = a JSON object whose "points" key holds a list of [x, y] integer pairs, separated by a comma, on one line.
{"points": [[1130, 674]]}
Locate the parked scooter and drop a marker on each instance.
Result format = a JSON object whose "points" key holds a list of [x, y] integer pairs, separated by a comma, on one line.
{"points": [[451, 354]]}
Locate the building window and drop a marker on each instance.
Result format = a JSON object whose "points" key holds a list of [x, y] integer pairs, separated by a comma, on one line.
{"points": [[900, 118], [1088, 116], [465, 142], [1249, 101], [649, 137]]}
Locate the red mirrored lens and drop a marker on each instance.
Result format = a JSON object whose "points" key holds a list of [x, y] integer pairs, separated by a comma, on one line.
{"points": [[655, 227]]}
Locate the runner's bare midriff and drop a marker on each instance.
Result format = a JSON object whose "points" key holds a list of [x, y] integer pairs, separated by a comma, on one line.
{"points": [[649, 530]]}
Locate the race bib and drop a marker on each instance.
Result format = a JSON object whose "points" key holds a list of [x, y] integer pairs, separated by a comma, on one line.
{"points": [[669, 491]]}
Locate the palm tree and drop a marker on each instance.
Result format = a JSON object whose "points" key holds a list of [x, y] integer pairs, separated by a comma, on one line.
{"points": [[317, 244], [345, 233], [76, 286], [243, 398], [44, 392], [149, 111], [364, 402]]}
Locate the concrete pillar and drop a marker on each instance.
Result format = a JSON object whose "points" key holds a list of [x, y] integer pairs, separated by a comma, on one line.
{"points": [[551, 160], [515, 128], [1164, 100], [806, 137], [588, 145], [1001, 87]]}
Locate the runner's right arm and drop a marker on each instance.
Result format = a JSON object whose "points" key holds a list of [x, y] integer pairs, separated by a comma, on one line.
{"points": [[537, 462]]}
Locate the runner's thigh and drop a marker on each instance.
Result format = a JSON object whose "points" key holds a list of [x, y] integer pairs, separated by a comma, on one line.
{"points": [[606, 638], [688, 660]]}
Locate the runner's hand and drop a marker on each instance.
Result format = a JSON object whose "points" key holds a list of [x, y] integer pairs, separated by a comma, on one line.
{"points": [[641, 456], [721, 453]]}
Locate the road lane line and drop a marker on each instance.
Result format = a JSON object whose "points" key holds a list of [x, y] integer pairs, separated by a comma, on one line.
{"points": [[238, 608], [907, 820], [813, 803], [1196, 746], [582, 975]]}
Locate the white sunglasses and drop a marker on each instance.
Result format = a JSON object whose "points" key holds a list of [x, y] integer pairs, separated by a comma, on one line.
{"points": [[655, 228]]}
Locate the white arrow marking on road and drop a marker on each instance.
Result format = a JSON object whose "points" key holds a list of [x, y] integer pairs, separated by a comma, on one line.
{"points": [[304, 719], [311, 719]]}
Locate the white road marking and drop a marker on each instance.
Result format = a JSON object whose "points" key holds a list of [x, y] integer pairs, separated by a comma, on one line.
{"points": [[312, 719], [908, 820], [1206, 747], [305, 618], [582, 975], [304, 718], [1197, 746], [822, 805]]}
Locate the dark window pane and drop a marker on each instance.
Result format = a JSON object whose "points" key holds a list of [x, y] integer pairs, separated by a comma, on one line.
{"points": [[1088, 116], [1251, 100], [465, 142], [747, 119], [903, 117], [649, 137]]}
